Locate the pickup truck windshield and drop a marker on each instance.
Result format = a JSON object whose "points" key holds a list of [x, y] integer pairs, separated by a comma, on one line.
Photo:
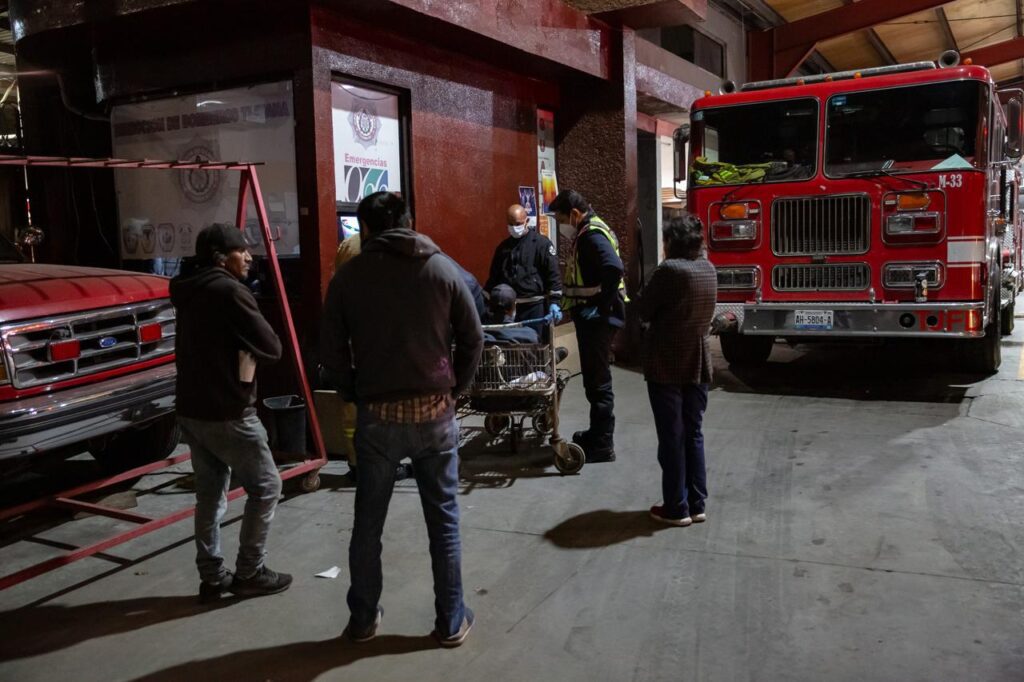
{"points": [[768, 142], [908, 129]]}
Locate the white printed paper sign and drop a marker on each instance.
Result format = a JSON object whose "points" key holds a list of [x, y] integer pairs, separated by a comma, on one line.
{"points": [[162, 211], [367, 144]]}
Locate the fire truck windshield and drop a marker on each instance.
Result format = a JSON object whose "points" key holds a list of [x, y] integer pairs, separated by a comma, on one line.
{"points": [[900, 130], [764, 142]]}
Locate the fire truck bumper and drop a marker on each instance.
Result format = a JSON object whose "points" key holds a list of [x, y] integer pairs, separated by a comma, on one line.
{"points": [[957, 320]]}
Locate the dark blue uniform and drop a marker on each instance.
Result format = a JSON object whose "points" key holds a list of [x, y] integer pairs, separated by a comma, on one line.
{"points": [[529, 266]]}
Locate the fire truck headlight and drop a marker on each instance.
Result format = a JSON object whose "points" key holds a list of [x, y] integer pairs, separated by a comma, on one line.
{"points": [[734, 231], [739, 278], [909, 224], [904, 275]]}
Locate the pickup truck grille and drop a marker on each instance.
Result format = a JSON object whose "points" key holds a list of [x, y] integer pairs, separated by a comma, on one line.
{"points": [[806, 226], [829, 277], [109, 338]]}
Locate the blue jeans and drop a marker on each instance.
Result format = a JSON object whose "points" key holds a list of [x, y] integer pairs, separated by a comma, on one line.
{"points": [[434, 450], [678, 415], [218, 449]]}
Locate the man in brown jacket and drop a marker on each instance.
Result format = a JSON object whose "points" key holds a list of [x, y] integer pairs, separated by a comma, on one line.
{"points": [[677, 304]]}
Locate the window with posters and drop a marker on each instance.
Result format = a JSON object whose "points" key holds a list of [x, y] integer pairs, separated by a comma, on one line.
{"points": [[161, 212], [369, 147]]}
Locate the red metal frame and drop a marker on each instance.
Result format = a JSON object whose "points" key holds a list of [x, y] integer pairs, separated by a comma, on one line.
{"points": [[249, 188]]}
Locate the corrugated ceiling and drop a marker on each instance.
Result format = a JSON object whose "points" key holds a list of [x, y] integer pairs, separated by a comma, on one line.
{"points": [[963, 25]]}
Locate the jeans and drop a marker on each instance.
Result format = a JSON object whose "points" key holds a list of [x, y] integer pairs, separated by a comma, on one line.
{"points": [[595, 344], [218, 449], [678, 414], [434, 450]]}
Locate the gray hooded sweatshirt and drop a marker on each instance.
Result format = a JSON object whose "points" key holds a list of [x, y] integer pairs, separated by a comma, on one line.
{"points": [[399, 323]]}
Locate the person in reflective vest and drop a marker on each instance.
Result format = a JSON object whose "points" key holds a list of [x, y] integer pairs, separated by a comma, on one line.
{"points": [[594, 292]]}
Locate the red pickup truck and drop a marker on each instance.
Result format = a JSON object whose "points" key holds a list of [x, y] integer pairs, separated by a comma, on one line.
{"points": [[87, 363]]}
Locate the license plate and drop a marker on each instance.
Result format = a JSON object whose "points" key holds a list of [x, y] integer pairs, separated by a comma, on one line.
{"points": [[813, 319]]}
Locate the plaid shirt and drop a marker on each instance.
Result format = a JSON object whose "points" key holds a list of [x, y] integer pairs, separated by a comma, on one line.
{"points": [[679, 304], [418, 410]]}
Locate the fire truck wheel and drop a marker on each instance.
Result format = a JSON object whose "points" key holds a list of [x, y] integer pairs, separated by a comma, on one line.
{"points": [[984, 355], [134, 448], [1006, 323], [746, 351]]}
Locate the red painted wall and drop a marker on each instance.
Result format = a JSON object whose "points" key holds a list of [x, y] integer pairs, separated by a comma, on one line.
{"points": [[473, 133]]}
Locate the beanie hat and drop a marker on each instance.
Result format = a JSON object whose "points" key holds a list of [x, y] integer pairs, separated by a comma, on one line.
{"points": [[218, 238]]}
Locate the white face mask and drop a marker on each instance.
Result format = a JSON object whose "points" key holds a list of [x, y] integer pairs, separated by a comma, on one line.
{"points": [[517, 231]]}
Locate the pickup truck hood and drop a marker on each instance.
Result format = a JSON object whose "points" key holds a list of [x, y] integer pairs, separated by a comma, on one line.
{"points": [[31, 290]]}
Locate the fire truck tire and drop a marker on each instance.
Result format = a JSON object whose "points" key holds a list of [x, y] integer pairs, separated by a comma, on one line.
{"points": [[134, 448], [1006, 322], [746, 351], [984, 355]]}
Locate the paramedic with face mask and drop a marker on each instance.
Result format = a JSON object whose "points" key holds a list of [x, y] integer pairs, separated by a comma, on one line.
{"points": [[526, 262]]}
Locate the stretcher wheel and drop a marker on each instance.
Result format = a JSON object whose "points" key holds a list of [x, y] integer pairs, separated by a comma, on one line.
{"points": [[543, 423], [495, 424], [569, 458], [310, 483]]}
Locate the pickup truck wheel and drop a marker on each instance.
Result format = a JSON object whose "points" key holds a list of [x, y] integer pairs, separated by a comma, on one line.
{"points": [[746, 351], [1006, 323], [984, 355], [134, 448]]}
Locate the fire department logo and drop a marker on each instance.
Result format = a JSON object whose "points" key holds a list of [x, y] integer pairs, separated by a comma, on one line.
{"points": [[199, 186], [365, 124]]}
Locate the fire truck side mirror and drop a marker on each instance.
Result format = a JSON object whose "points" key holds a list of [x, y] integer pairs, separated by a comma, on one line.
{"points": [[1014, 128], [679, 139]]}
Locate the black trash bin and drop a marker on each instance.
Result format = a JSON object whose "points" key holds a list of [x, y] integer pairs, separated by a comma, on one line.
{"points": [[287, 423]]}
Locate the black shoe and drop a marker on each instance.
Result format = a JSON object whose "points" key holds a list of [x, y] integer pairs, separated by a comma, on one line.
{"points": [[581, 438], [561, 353], [211, 592], [366, 634], [459, 637], [263, 582], [599, 454]]}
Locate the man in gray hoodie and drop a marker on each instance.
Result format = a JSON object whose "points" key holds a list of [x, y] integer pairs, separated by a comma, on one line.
{"points": [[392, 317]]}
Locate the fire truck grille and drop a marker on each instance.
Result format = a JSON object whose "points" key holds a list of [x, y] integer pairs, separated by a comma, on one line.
{"points": [[805, 226], [831, 277], [107, 338]]}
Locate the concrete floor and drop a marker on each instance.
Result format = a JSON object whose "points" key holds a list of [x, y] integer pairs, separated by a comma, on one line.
{"points": [[865, 523]]}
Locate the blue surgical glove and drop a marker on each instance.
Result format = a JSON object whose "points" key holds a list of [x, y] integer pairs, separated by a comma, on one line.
{"points": [[555, 312], [589, 313]]}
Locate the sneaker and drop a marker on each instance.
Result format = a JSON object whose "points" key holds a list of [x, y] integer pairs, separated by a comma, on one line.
{"points": [[263, 582], [657, 513], [699, 518], [459, 637], [211, 592], [366, 634]]}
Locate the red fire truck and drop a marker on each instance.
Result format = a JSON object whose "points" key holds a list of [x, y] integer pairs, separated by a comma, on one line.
{"points": [[871, 204]]}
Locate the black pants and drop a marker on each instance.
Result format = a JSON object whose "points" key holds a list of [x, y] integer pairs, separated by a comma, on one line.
{"points": [[534, 311], [595, 344]]}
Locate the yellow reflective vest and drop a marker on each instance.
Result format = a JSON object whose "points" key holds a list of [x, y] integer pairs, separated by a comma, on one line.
{"points": [[574, 289]]}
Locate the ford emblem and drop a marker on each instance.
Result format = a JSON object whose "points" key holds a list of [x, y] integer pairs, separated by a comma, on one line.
{"points": [[108, 342]]}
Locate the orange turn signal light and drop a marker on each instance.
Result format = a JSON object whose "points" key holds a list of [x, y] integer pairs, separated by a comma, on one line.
{"points": [[857, 75], [968, 61], [734, 211], [913, 201]]}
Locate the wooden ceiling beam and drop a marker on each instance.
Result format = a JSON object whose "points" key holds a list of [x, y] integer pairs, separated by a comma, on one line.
{"points": [[947, 29]]}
